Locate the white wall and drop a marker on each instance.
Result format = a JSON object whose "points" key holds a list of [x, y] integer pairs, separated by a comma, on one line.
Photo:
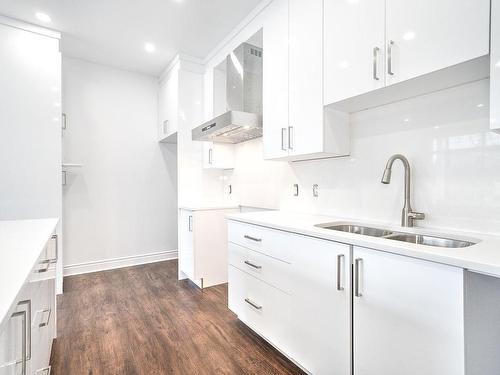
{"points": [[455, 163], [123, 202]]}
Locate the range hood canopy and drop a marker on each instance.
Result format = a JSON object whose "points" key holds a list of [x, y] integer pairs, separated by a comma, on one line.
{"points": [[243, 120]]}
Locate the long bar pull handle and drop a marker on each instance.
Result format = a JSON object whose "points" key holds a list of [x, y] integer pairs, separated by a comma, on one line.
{"points": [[253, 304], [28, 333], [357, 263], [190, 223], [376, 50], [23, 340], [340, 260], [252, 238], [248, 263], [389, 58], [210, 156], [283, 137], [290, 137]]}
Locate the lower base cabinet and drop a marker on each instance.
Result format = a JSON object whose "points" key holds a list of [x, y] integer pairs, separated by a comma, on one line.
{"points": [[335, 309], [408, 316]]}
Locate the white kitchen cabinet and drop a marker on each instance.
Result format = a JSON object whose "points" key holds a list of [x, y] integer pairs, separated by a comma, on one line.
{"points": [[298, 300], [275, 80], [425, 36], [354, 48], [203, 245], [422, 46], [168, 98], [296, 126], [218, 155], [408, 315], [495, 66]]}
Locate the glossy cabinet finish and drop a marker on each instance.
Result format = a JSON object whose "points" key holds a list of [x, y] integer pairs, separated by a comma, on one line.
{"points": [[218, 155], [431, 35], [168, 98], [354, 48], [495, 66], [203, 245], [408, 315], [275, 80], [423, 46], [298, 300]]}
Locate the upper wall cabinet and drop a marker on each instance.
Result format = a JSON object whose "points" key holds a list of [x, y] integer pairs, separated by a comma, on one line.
{"points": [[421, 46], [296, 127], [168, 99], [495, 66]]}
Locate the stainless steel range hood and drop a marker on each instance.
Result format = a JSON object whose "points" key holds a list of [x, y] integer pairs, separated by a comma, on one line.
{"points": [[243, 120]]}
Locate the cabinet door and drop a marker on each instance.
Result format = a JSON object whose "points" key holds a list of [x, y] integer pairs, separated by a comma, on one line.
{"points": [[306, 77], [408, 316], [275, 80], [354, 47], [429, 35], [218, 156], [186, 245], [321, 305]]}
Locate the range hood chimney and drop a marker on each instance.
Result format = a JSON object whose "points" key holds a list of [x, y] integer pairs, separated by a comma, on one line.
{"points": [[243, 119]]}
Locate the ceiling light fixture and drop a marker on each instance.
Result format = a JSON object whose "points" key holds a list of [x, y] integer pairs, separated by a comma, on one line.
{"points": [[149, 47], [43, 17], [409, 35]]}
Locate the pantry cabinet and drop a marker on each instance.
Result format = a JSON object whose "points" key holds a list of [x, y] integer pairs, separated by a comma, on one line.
{"points": [[218, 155], [295, 125], [408, 315], [422, 46]]}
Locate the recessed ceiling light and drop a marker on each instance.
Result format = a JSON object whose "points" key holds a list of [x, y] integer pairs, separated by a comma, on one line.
{"points": [[149, 47], [43, 17], [480, 105], [409, 35]]}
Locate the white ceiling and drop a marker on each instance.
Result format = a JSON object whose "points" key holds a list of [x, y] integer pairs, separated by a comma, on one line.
{"points": [[113, 32]]}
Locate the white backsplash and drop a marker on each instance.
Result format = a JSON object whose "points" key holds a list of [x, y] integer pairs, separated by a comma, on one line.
{"points": [[455, 162]]}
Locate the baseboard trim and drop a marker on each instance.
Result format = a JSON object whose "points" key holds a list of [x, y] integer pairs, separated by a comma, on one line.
{"points": [[109, 264]]}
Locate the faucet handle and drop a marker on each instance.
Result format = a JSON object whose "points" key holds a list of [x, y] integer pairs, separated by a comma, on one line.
{"points": [[416, 215]]}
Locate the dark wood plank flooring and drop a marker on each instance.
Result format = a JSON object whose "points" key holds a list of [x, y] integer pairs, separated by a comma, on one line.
{"points": [[141, 320]]}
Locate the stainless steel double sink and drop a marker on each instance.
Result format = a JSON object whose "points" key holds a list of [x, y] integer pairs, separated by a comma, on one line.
{"points": [[420, 239]]}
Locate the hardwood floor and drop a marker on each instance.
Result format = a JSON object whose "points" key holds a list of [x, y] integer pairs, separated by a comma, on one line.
{"points": [[141, 320]]}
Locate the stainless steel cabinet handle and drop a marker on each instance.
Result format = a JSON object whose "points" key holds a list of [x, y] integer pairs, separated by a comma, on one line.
{"points": [[64, 177], [23, 339], [190, 223], [165, 127], [46, 323], [357, 263], [283, 137], [247, 262], [253, 304], [252, 238], [28, 331], [290, 137], [340, 260], [376, 50], [389, 58], [210, 156], [64, 123], [56, 257]]}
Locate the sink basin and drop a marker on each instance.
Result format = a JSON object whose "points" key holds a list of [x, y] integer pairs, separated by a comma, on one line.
{"points": [[419, 239], [429, 240], [357, 229]]}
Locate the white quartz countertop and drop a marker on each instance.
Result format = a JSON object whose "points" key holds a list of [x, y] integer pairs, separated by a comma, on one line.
{"points": [[483, 257], [209, 208], [21, 243]]}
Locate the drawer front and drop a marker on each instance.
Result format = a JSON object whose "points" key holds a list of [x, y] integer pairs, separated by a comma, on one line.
{"points": [[271, 242], [263, 267], [262, 307]]}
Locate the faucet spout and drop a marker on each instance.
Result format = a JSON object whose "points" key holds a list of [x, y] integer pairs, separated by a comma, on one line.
{"points": [[408, 216]]}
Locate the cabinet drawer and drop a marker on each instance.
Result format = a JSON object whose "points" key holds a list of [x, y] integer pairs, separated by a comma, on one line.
{"points": [[262, 307], [268, 269], [271, 242]]}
